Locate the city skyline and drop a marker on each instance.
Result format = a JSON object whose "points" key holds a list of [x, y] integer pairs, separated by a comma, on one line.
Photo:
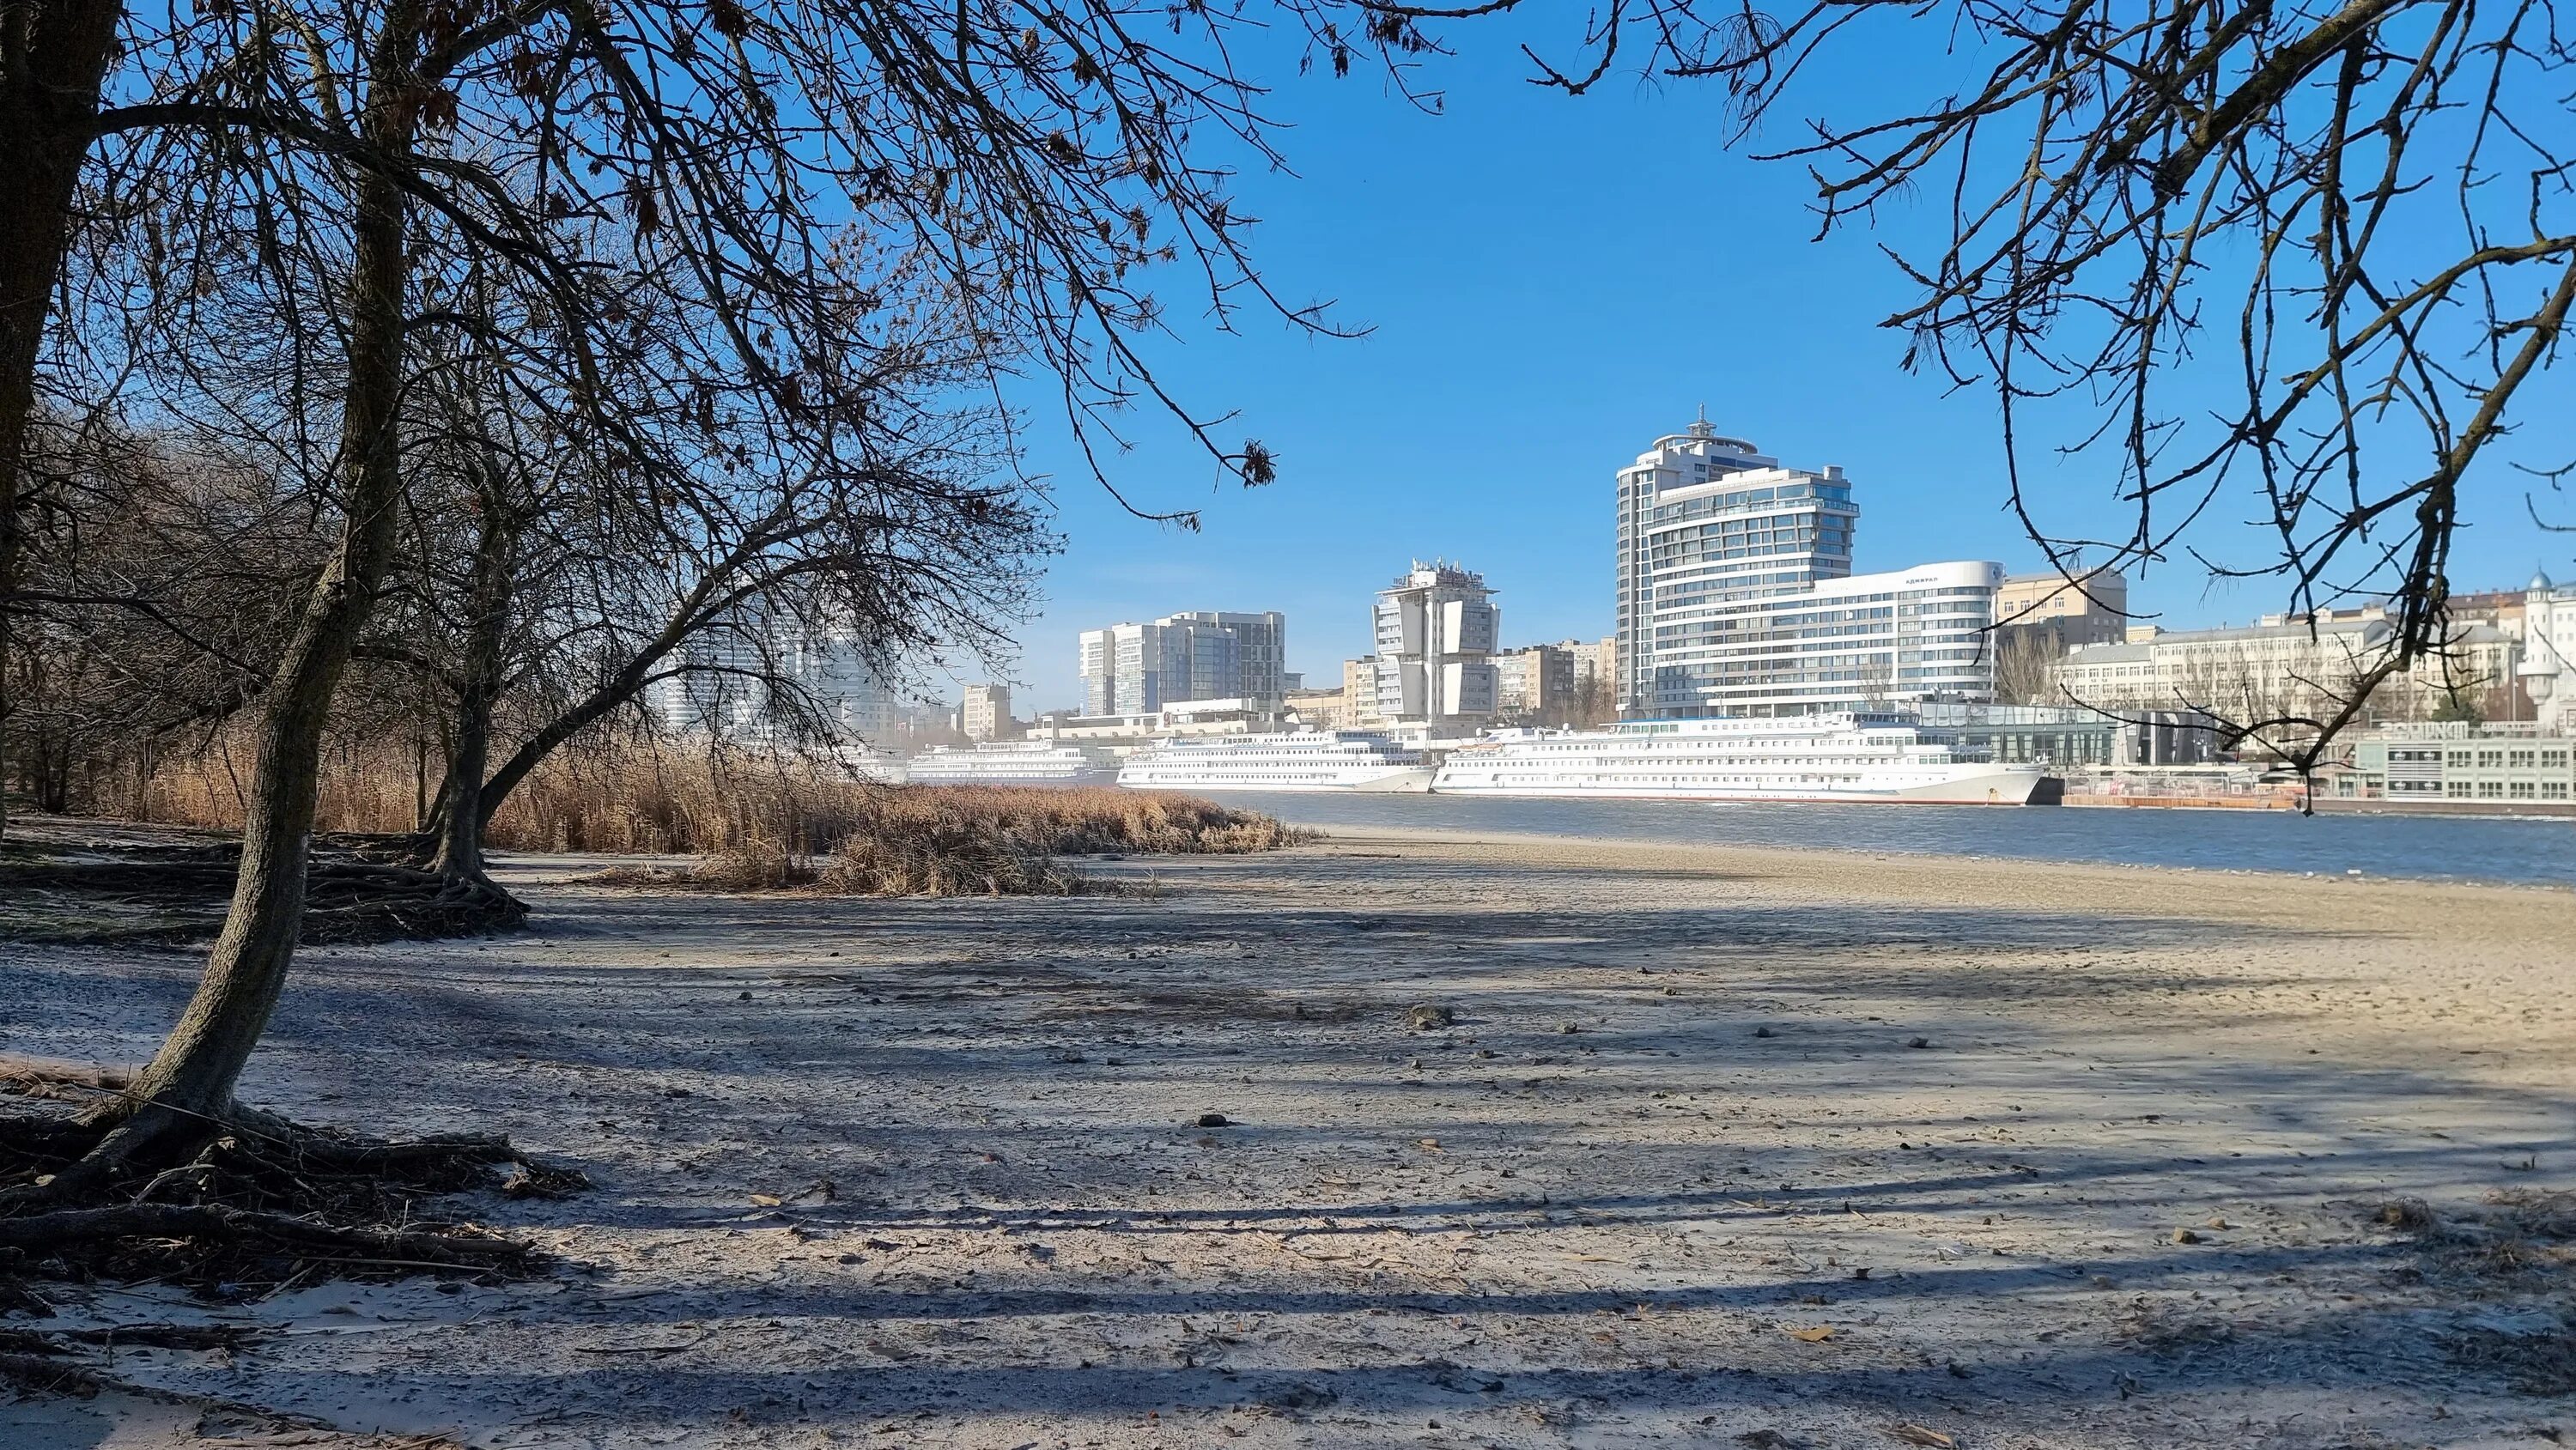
{"points": [[1524, 348]]}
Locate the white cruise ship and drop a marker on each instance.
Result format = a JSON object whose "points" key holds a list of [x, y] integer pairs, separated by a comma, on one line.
{"points": [[1304, 760], [1012, 762], [1839, 757]]}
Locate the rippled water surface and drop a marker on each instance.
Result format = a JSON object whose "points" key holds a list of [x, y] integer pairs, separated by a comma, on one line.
{"points": [[2479, 848]]}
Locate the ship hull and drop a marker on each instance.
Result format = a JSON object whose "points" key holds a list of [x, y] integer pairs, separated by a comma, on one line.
{"points": [[1087, 777], [1979, 788], [1392, 780]]}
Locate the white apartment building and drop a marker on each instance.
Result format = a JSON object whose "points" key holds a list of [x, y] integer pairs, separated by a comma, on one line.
{"points": [[2287, 666], [1707, 523], [1867, 642], [1436, 627], [1130, 669]]}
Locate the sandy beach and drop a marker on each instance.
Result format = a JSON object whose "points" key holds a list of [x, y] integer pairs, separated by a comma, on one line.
{"points": [[1718, 1147]]}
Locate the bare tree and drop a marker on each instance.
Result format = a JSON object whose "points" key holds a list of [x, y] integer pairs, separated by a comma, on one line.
{"points": [[2026, 666], [687, 197], [54, 59]]}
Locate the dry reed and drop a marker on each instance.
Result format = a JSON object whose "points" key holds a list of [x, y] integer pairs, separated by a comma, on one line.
{"points": [[642, 802], [954, 840], [760, 822]]}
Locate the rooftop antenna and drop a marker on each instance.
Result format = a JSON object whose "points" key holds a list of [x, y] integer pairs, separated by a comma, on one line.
{"points": [[1701, 427]]}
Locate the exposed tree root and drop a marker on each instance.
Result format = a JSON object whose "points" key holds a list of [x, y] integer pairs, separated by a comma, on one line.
{"points": [[247, 1200], [177, 893]]}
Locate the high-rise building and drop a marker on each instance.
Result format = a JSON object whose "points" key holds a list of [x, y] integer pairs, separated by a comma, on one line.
{"points": [[1130, 669], [986, 712], [764, 679], [1258, 670], [1705, 523], [1435, 641]]}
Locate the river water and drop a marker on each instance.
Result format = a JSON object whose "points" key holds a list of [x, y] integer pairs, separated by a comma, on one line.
{"points": [[2469, 848]]}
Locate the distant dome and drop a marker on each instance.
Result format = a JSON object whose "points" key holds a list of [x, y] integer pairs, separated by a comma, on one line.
{"points": [[2538, 581]]}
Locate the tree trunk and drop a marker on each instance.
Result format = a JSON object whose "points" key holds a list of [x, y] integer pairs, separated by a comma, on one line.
{"points": [[628, 683], [460, 828], [191, 1079], [53, 60]]}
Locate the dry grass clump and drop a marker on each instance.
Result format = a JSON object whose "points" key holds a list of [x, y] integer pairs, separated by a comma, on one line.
{"points": [[2516, 1254], [2516, 1230], [1078, 821], [946, 859]]}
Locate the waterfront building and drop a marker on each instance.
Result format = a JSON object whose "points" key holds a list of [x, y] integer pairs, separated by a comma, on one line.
{"points": [[1435, 628], [1706, 522], [1320, 709], [986, 713], [1200, 655], [2289, 666], [2067, 737], [1868, 642], [2520, 763]]}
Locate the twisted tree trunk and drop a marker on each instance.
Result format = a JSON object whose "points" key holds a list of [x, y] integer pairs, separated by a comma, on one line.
{"points": [[54, 56]]}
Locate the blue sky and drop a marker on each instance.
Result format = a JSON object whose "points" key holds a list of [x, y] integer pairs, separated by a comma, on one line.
{"points": [[1549, 283]]}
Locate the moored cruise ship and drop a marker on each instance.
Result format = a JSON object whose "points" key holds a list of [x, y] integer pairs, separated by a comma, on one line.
{"points": [[1356, 760], [1012, 762], [1839, 757]]}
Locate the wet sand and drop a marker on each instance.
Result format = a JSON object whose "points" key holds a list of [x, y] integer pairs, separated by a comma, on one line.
{"points": [[1720, 1144]]}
